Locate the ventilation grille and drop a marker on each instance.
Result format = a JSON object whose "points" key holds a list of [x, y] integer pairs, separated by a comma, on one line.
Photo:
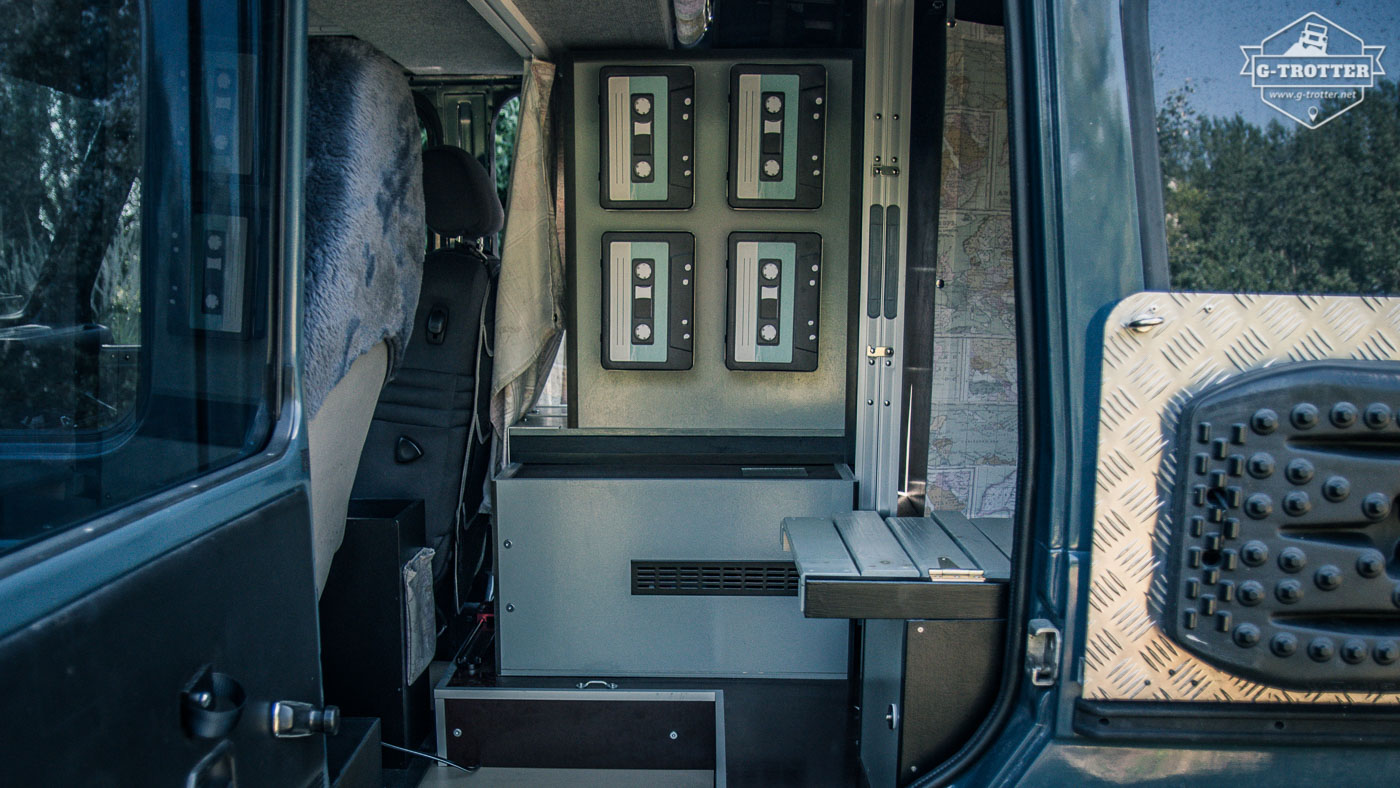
{"points": [[715, 578]]}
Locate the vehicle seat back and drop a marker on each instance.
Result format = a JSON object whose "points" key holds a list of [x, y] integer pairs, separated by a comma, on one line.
{"points": [[364, 253], [430, 437]]}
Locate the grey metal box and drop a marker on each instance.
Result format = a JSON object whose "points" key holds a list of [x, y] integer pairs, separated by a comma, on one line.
{"points": [[566, 537]]}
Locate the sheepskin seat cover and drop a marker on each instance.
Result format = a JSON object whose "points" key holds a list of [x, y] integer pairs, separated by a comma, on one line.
{"points": [[365, 231]]}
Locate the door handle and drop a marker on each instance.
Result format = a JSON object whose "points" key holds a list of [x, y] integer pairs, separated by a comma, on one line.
{"points": [[211, 704], [1144, 323]]}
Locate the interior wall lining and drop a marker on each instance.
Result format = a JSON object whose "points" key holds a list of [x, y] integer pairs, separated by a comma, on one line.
{"points": [[424, 36]]}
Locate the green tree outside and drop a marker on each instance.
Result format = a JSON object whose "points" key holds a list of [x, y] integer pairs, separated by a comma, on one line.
{"points": [[1283, 209]]}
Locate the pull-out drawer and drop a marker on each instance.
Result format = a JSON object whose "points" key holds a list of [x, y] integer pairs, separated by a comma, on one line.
{"points": [[671, 737]]}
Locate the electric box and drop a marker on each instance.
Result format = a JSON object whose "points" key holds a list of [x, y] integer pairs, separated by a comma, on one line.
{"points": [[667, 571]]}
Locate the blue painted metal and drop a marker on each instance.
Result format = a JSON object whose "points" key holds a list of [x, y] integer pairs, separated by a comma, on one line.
{"points": [[1066, 763], [1088, 255], [1093, 256]]}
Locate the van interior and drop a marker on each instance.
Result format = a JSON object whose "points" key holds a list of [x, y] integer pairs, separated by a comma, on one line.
{"points": [[659, 365], [669, 573]]}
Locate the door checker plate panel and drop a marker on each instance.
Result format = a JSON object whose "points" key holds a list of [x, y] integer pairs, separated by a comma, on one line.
{"points": [[1136, 599]]}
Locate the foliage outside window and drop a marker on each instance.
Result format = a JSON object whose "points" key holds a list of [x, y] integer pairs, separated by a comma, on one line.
{"points": [[507, 124], [1256, 202], [70, 217]]}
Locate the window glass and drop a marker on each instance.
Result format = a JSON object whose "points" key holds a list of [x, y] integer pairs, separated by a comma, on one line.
{"points": [[70, 232], [1278, 125], [110, 393], [507, 123], [974, 416]]}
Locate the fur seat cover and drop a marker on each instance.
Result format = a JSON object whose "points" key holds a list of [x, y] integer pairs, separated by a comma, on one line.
{"points": [[365, 231]]}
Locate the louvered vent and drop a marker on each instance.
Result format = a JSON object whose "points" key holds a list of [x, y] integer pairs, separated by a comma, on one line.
{"points": [[715, 578]]}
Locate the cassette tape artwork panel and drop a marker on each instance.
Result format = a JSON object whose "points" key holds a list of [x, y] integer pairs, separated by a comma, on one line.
{"points": [[774, 301], [647, 136], [648, 300], [777, 136]]}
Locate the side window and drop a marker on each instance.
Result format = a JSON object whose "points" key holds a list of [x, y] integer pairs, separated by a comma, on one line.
{"points": [[503, 133], [1277, 130], [70, 237], [137, 234], [974, 417]]}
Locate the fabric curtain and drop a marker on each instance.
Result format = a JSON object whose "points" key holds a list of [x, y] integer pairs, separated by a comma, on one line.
{"points": [[530, 298]]}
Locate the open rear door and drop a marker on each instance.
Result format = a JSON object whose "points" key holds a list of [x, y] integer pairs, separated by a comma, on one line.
{"points": [[1213, 443]]}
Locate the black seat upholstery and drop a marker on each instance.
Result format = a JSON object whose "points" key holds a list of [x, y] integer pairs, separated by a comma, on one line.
{"points": [[430, 437]]}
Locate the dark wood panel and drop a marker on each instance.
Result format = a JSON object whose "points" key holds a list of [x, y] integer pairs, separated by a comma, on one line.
{"points": [[581, 734], [903, 599], [951, 674]]}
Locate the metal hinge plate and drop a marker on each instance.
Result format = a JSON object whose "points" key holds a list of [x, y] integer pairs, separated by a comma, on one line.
{"points": [[956, 575]]}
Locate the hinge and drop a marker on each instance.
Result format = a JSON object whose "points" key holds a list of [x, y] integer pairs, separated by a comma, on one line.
{"points": [[949, 570], [872, 351], [885, 169], [1043, 653], [956, 575]]}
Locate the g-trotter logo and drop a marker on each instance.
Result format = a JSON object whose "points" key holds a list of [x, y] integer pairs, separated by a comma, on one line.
{"points": [[1313, 69]]}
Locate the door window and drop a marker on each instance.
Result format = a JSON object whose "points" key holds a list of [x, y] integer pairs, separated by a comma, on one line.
{"points": [[1277, 128], [135, 251], [70, 226]]}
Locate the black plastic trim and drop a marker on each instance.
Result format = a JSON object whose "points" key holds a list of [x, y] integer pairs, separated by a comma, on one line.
{"points": [[925, 173], [565, 448], [714, 578], [1028, 242], [903, 599], [1214, 724]]}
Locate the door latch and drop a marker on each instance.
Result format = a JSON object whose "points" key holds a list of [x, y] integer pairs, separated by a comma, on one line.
{"points": [[1043, 653], [1144, 323], [293, 719]]}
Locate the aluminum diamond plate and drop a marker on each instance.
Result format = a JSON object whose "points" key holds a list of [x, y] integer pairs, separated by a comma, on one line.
{"points": [[1204, 338]]}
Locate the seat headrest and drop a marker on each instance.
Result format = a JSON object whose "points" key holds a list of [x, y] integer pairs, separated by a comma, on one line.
{"points": [[460, 198]]}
